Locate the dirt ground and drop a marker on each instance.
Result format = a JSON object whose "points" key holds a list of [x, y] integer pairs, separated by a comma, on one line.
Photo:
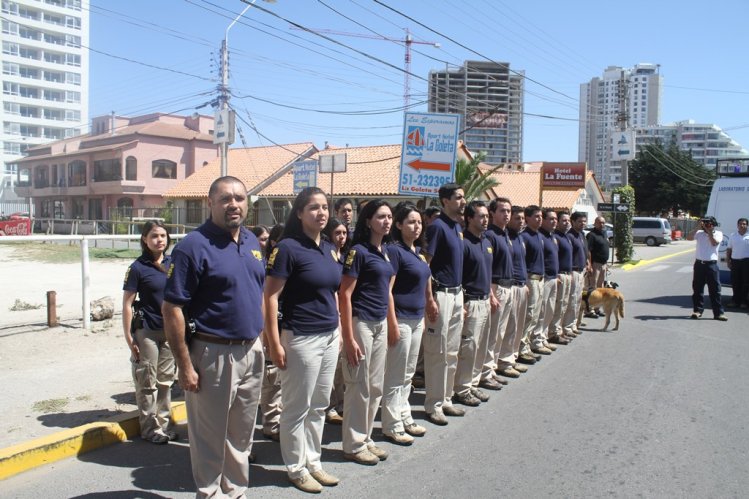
{"points": [[62, 377]]}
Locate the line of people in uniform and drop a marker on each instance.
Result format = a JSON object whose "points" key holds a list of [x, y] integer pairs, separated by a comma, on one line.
{"points": [[491, 289]]}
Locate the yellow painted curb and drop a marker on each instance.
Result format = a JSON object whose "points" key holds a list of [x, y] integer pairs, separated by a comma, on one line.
{"points": [[641, 263], [73, 442]]}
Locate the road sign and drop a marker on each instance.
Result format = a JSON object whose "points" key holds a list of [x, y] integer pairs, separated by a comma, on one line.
{"points": [[333, 163], [223, 125], [623, 145], [430, 146], [305, 175], [616, 207]]}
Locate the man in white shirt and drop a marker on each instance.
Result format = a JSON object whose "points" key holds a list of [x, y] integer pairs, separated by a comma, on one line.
{"points": [[708, 239], [737, 259]]}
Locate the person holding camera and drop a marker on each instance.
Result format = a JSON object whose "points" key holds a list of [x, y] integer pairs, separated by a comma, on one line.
{"points": [[152, 361], [708, 240]]}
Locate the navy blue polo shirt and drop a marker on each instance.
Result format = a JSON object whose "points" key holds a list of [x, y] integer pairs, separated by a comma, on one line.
{"points": [[551, 255], [519, 270], [579, 250], [477, 264], [534, 251], [218, 281], [411, 276], [313, 275], [445, 246], [565, 251], [502, 261], [146, 278], [372, 271]]}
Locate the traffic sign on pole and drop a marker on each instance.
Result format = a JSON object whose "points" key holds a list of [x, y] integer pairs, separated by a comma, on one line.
{"points": [[616, 207], [305, 175]]}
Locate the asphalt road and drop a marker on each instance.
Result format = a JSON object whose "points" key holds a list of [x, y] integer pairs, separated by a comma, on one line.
{"points": [[657, 409]]}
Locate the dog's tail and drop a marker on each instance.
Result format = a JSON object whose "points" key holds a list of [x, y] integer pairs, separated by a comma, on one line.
{"points": [[621, 307]]}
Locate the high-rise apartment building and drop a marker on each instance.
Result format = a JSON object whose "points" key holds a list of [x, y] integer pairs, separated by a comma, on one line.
{"points": [[45, 75], [489, 99], [621, 95], [706, 142]]}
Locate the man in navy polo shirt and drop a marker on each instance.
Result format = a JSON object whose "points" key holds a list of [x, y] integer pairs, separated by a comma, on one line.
{"points": [[477, 271], [564, 285], [534, 260], [579, 265], [216, 280], [516, 323], [551, 276], [441, 340]]}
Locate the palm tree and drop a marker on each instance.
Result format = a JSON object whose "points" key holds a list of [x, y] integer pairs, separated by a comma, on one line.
{"points": [[474, 181]]}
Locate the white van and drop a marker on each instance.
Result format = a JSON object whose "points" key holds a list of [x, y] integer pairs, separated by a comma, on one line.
{"points": [[729, 201], [651, 231]]}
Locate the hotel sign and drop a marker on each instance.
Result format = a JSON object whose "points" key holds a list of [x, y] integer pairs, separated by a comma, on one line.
{"points": [[563, 176]]}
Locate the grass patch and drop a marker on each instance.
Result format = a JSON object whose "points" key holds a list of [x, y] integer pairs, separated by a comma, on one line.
{"points": [[65, 253], [83, 398], [50, 405], [19, 306]]}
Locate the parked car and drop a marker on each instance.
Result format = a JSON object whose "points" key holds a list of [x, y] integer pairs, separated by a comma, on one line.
{"points": [[651, 231], [609, 232]]}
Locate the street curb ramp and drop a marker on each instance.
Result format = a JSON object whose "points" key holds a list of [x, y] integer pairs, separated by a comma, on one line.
{"points": [[74, 442]]}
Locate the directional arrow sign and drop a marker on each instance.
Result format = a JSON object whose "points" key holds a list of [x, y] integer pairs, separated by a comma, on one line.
{"points": [[429, 165], [605, 206], [621, 208]]}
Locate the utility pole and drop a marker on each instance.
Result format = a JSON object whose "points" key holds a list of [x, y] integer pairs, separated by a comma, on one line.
{"points": [[622, 119]]}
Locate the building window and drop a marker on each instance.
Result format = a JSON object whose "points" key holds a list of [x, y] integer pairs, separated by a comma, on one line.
{"points": [[76, 173], [107, 170], [125, 206], [131, 168], [95, 211], [73, 78], [41, 177], [78, 208], [163, 168], [10, 48], [194, 209], [59, 209]]}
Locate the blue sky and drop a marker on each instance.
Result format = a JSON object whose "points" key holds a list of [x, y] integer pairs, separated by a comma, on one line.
{"points": [[347, 98]]}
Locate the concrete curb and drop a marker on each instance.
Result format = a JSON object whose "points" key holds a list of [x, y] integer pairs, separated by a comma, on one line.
{"points": [[642, 263], [74, 442]]}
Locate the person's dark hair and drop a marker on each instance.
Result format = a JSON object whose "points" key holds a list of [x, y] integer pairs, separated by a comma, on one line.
{"points": [[578, 215], [402, 210], [546, 211], [432, 210], [531, 210], [362, 231], [497, 201], [147, 227], [259, 229], [340, 203], [471, 209], [332, 225], [274, 235], [293, 223], [447, 190], [562, 212], [224, 180], [742, 219], [516, 209]]}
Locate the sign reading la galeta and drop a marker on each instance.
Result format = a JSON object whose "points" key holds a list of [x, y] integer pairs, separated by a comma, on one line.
{"points": [[563, 176]]}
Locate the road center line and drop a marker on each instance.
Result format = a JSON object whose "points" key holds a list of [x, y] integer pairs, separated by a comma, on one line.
{"points": [[641, 263]]}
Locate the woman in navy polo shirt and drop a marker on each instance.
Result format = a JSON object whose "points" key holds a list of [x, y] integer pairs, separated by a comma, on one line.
{"points": [[412, 292], [152, 360], [367, 313], [337, 233], [303, 273]]}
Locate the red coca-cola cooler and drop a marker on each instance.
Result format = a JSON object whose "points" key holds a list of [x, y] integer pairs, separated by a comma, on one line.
{"points": [[16, 224]]}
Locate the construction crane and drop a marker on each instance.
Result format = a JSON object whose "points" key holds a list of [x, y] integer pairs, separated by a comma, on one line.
{"points": [[407, 42]]}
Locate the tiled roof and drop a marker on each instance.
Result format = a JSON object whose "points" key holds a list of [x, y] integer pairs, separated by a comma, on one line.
{"points": [[370, 171], [251, 165], [522, 187]]}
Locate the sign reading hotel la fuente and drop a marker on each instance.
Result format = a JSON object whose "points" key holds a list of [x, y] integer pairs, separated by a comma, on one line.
{"points": [[563, 176], [430, 146]]}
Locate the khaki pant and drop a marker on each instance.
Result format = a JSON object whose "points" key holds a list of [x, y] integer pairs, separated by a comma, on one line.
{"points": [[569, 322], [399, 369], [441, 344], [364, 385], [503, 353], [476, 324], [221, 415], [548, 302], [270, 399], [516, 324], [564, 286], [336, 395], [595, 278], [305, 388], [153, 376], [532, 314]]}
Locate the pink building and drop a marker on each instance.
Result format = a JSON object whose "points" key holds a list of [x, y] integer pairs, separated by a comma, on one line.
{"points": [[126, 163]]}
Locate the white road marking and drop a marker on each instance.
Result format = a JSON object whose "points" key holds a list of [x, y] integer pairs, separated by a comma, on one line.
{"points": [[686, 270], [656, 268]]}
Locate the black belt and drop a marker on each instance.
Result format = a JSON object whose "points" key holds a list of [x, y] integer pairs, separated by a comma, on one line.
{"points": [[535, 277], [505, 283], [577, 269], [467, 297], [449, 289], [706, 262], [518, 283], [565, 272], [212, 338]]}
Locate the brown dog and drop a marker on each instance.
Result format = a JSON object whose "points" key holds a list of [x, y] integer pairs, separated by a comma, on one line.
{"points": [[610, 299]]}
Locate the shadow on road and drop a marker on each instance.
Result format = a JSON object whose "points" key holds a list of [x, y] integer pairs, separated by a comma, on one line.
{"points": [[683, 301], [73, 419]]}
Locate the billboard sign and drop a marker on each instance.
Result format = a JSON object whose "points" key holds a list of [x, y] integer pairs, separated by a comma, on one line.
{"points": [[430, 146]]}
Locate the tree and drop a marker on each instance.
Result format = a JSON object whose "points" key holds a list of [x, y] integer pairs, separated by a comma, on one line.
{"points": [[668, 180], [474, 181], [623, 242]]}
